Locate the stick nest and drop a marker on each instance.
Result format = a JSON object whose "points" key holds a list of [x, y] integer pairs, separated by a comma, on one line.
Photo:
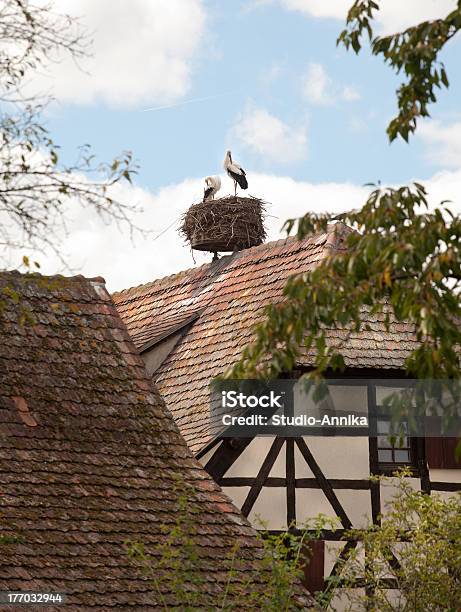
{"points": [[226, 224]]}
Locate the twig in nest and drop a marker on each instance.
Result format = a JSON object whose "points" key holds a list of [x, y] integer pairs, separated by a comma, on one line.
{"points": [[227, 224]]}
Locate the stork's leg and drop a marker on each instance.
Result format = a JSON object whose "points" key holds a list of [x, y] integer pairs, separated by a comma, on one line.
{"points": [[235, 188]]}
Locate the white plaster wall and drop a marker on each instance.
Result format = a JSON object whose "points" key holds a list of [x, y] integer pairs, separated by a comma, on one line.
{"points": [[270, 508], [237, 494], [207, 456], [445, 475], [338, 457], [249, 462]]}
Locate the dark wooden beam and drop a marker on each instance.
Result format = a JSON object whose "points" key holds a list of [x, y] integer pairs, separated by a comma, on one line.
{"points": [[300, 483], [290, 478], [225, 455], [375, 486], [421, 462], [335, 535], [446, 486], [324, 484], [336, 483], [248, 481], [262, 476], [332, 536], [313, 554]]}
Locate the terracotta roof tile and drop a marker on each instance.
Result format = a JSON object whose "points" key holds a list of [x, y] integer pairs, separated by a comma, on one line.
{"points": [[90, 457], [230, 295]]}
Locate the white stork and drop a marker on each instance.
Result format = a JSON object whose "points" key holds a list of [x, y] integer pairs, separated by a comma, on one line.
{"points": [[212, 186], [236, 172]]}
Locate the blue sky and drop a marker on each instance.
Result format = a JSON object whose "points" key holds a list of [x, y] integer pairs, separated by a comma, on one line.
{"points": [[292, 106]]}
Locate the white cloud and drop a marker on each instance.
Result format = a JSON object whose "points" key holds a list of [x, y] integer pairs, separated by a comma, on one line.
{"points": [[319, 8], [142, 52], [96, 249], [443, 142], [317, 85], [268, 136], [350, 94], [319, 88], [394, 14], [397, 15], [445, 186]]}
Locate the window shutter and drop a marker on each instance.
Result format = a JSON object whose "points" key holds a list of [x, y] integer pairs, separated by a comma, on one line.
{"points": [[315, 564], [440, 453]]}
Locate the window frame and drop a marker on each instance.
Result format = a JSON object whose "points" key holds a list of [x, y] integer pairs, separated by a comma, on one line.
{"points": [[377, 467], [389, 467]]}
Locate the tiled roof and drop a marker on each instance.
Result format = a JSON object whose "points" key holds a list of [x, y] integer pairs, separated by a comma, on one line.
{"points": [[151, 335], [91, 458], [230, 295]]}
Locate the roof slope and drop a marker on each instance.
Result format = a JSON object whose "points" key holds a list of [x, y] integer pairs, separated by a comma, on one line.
{"points": [[91, 457], [230, 295]]}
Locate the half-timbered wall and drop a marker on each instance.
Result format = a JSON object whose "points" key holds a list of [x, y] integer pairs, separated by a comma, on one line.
{"points": [[284, 482]]}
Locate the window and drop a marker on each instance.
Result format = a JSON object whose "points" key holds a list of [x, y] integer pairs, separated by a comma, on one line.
{"points": [[392, 456]]}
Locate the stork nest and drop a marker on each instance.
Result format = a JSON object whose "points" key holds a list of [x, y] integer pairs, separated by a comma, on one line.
{"points": [[231, 223]]}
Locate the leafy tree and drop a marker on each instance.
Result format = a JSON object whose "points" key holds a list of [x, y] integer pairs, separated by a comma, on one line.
{"points": [[414, 52], [421, 532], [402, 260], [34, 184]]}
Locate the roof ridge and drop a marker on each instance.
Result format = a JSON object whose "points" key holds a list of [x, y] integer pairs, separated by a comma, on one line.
{"points": [[73, 277], [232, 257], [161, 278]]}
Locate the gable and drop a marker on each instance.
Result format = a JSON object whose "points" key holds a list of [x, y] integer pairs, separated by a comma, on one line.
{"points": [[231, 295]]}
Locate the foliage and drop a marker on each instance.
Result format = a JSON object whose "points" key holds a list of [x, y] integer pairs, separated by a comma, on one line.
{"points": [[34, 184], [177, 569], [423, 532], [414, 52], [403, 260], [285, 557]]}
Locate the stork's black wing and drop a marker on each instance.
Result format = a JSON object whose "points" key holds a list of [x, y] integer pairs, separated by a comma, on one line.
{"points": [[240, 178], [207, 192]]}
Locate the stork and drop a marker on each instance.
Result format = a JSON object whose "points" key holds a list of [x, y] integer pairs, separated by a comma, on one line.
{"points": [[236, 172], [212, 186]]}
